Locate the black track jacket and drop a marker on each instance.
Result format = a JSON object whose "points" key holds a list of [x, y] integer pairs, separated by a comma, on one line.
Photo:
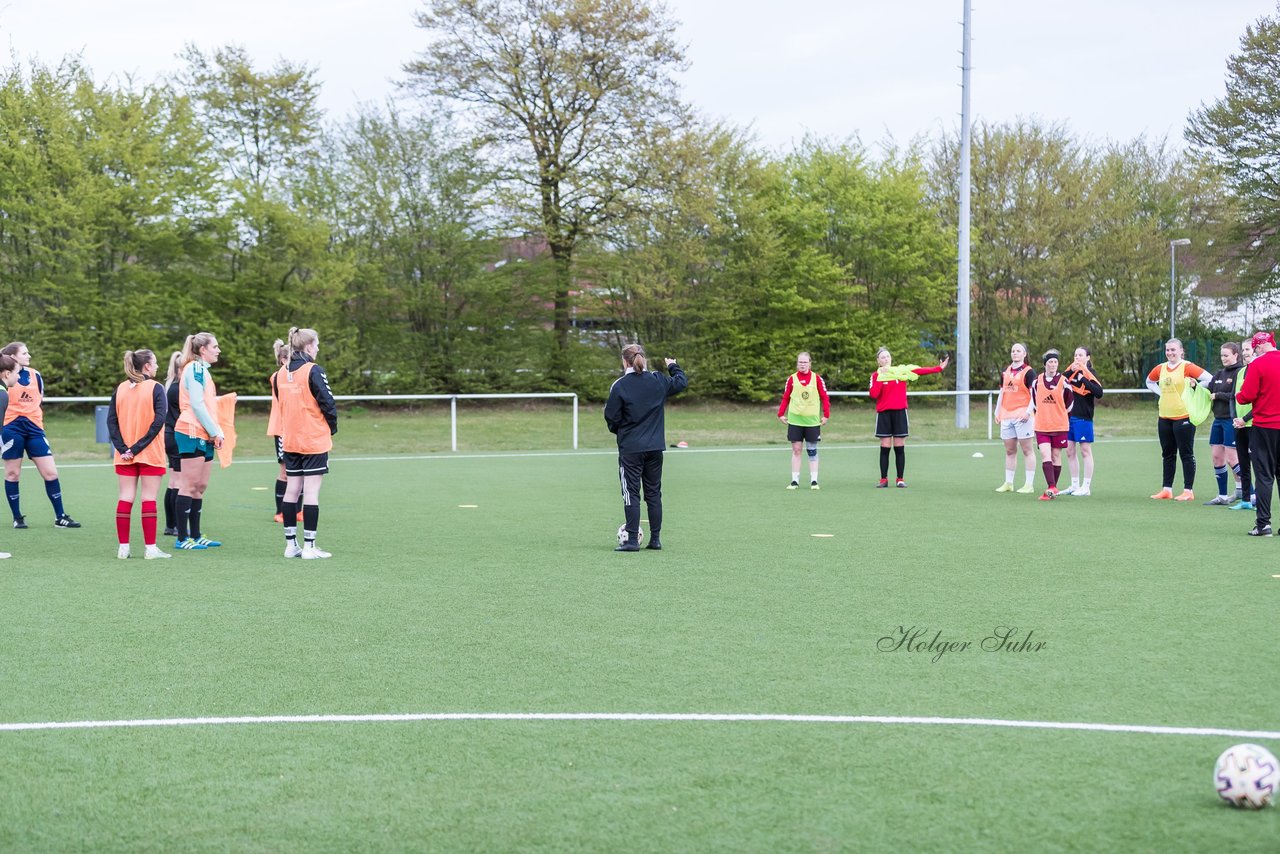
{"points": [[635, 408]]}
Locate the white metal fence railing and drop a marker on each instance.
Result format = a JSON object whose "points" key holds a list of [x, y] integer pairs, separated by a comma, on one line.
{"points": [[452, 398], [990, 394]]}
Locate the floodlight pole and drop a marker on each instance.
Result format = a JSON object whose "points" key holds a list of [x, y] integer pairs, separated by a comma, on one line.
{"points": [[1173, 277], [962, 286]]}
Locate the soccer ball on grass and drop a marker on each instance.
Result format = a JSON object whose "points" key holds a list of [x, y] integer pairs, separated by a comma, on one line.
{"points": [[1247, 775], [622, 535]]}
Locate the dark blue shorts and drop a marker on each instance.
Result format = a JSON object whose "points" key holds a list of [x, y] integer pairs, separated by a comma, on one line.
{"points": [[1080, 430], [1223, 432], [20, 437]]}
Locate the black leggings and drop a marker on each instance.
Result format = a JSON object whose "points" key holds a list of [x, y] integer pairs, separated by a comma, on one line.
{"points": [[1246, 471], [1178, 439]]}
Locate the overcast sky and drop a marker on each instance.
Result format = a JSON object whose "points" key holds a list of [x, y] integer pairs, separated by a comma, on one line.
{"points": [[837, 68]]}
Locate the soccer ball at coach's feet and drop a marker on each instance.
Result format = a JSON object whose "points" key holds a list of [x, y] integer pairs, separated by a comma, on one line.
{"points": [[623, 539]]}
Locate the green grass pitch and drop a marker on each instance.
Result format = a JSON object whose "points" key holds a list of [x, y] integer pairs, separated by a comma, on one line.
{"points": [[1150, 613]]}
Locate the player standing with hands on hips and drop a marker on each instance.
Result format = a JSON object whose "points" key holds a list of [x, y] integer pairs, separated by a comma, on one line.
{"points": [[804, 409], [635, 413]]}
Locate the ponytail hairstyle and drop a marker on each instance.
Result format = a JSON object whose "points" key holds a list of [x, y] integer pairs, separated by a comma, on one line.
{"points": [[300, 339], [1088, 356], [175, 367], [633, 355], [12, 349], [281, 350], [7, 364], [1234, 348], [194, 344], [134, 363]]}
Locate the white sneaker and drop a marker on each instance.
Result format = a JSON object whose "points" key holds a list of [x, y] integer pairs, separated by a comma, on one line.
{"points": [[1068, 490], [5, 555], [123, 551], [154, 553], [292, 549], [1084, 490], [313, 553]]}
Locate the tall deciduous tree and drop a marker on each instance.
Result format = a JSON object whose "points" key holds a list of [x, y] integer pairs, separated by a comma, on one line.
{"points": [[264, 126], [1240, 133], [566, 96]]}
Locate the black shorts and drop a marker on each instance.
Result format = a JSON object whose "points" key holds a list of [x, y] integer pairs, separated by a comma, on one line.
{"points": [[892, 422], [175, 463], [305, 465], [279, 449], [796, 433]]}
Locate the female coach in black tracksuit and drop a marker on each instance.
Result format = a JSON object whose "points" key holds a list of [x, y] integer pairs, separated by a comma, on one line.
{"points": [[634, 412]]}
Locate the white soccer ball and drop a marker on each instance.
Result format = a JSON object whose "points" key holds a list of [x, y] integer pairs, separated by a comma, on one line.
{"points": [[622, 535], [1247, 775]]}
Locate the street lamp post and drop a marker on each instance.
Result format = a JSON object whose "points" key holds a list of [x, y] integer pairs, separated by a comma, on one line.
{"points": [[1173, 278]]}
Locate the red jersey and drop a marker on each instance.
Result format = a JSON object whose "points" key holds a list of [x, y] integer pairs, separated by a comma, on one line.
{"points": [[1261, 387], [892, 394]]}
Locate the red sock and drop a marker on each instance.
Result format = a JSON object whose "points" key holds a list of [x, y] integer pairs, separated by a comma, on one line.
{"points": [[124, 509], [149, 522]]}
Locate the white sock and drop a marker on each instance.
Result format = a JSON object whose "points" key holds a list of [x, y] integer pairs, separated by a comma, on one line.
{"points": [[1086, 482], [795, 477], [1075, 483], [1031, 478], [1008, 476]]}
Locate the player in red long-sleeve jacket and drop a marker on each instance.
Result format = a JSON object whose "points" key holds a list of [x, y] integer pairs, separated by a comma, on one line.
{"points": [[891, 415]]}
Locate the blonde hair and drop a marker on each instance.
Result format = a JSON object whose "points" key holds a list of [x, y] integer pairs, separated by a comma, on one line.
{"points": [[194, 344], [175, 367], [633, 355], [282, 353], [134, 363], [300, 338]]}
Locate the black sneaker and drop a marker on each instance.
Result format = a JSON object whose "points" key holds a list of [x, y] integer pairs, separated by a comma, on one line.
{"points": [[1260, 531], [171, 532], [65, 522], [628, 547], [655, 544], [20, 523]]}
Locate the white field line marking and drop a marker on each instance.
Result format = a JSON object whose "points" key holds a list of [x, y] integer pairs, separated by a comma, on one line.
{"points": [[449, 455], [644, 717]]}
